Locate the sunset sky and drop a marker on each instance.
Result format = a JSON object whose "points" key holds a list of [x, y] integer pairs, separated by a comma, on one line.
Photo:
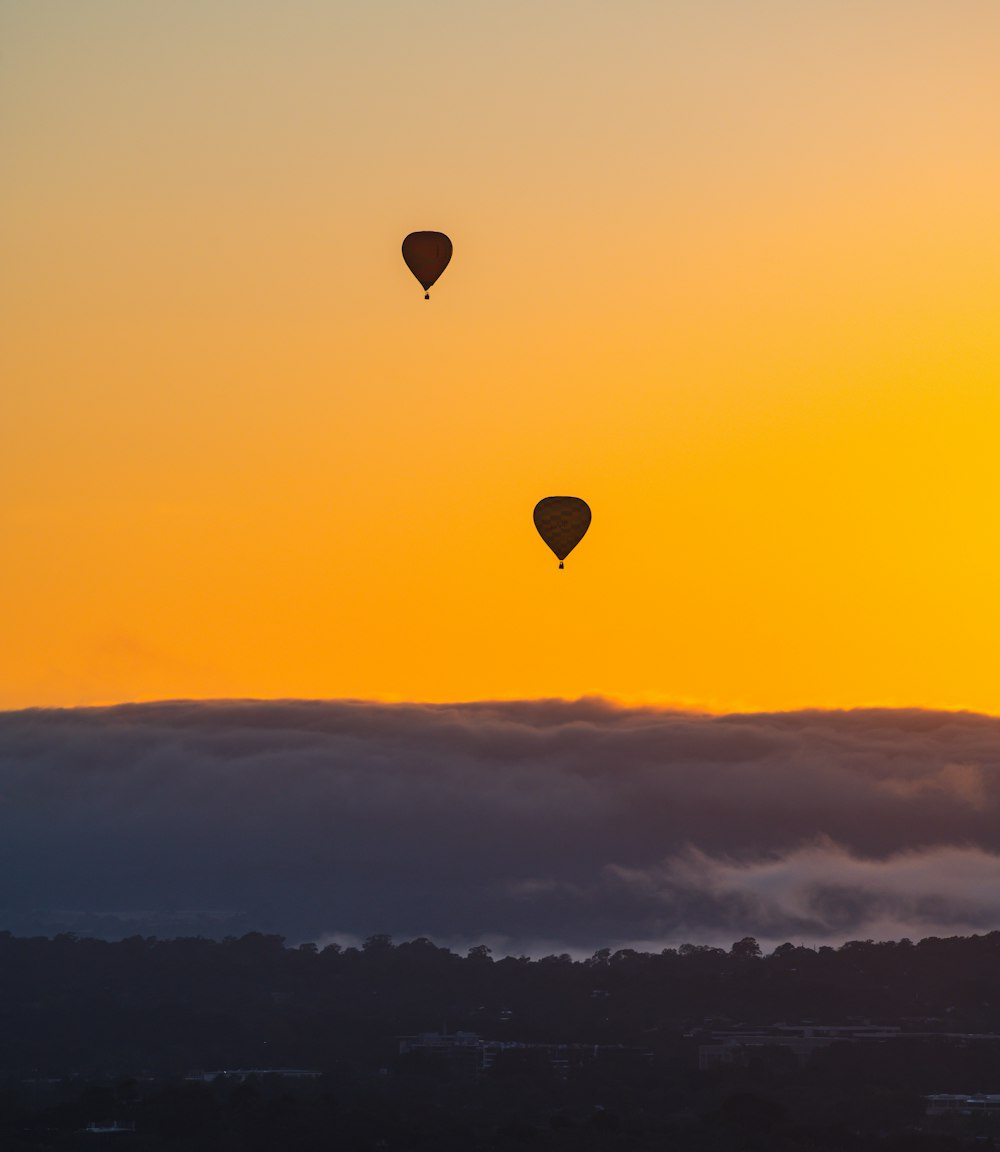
{"points": [[728, 271]]}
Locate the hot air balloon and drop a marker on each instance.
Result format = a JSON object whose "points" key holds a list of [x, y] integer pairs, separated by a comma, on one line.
{"points": [[427, 255], [562, 522]]}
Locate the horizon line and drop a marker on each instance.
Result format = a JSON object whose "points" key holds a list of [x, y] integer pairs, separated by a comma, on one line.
{"points": [[611, 703]]}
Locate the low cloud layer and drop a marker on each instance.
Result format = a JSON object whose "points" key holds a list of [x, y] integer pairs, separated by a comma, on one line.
{"points": [[532, 826]]}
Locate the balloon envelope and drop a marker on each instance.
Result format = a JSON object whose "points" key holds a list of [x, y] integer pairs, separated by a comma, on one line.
{"points": [[562, 522], [426, 255]]}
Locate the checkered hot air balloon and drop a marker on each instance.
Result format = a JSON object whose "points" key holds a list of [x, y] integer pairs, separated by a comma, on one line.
{"points": [[562, 522]]}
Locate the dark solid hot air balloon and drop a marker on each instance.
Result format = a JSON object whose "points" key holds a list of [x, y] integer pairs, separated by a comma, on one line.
{"points": [[562, 522], [427, 255]]}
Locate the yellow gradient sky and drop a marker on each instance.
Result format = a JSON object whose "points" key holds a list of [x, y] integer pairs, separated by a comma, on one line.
{"points": [[728, 270]]}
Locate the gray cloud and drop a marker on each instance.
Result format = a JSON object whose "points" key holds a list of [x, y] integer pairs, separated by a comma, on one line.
{"points": [[564, 825]]}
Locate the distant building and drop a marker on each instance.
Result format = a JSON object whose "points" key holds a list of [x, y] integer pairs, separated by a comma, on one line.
{"points": [[241, 1074], [734, 1046], [964, 1105], [466, 1050], [460, 1050]]}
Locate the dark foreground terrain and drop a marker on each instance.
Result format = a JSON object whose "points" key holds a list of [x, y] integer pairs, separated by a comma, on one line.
{"points": [[249, 1044]]}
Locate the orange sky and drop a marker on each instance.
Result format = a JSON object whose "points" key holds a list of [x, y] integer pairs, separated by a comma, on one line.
{"points": [[729, 272]]}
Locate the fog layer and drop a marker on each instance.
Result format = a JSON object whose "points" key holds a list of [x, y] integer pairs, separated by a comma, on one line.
{"points": [[535, 826]]}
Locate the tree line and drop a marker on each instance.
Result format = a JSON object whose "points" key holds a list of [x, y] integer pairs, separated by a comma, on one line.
{"points": [[72, 1004]]}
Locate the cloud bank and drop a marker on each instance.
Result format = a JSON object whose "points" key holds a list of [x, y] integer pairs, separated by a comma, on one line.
{"points": [[534, 826]]}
